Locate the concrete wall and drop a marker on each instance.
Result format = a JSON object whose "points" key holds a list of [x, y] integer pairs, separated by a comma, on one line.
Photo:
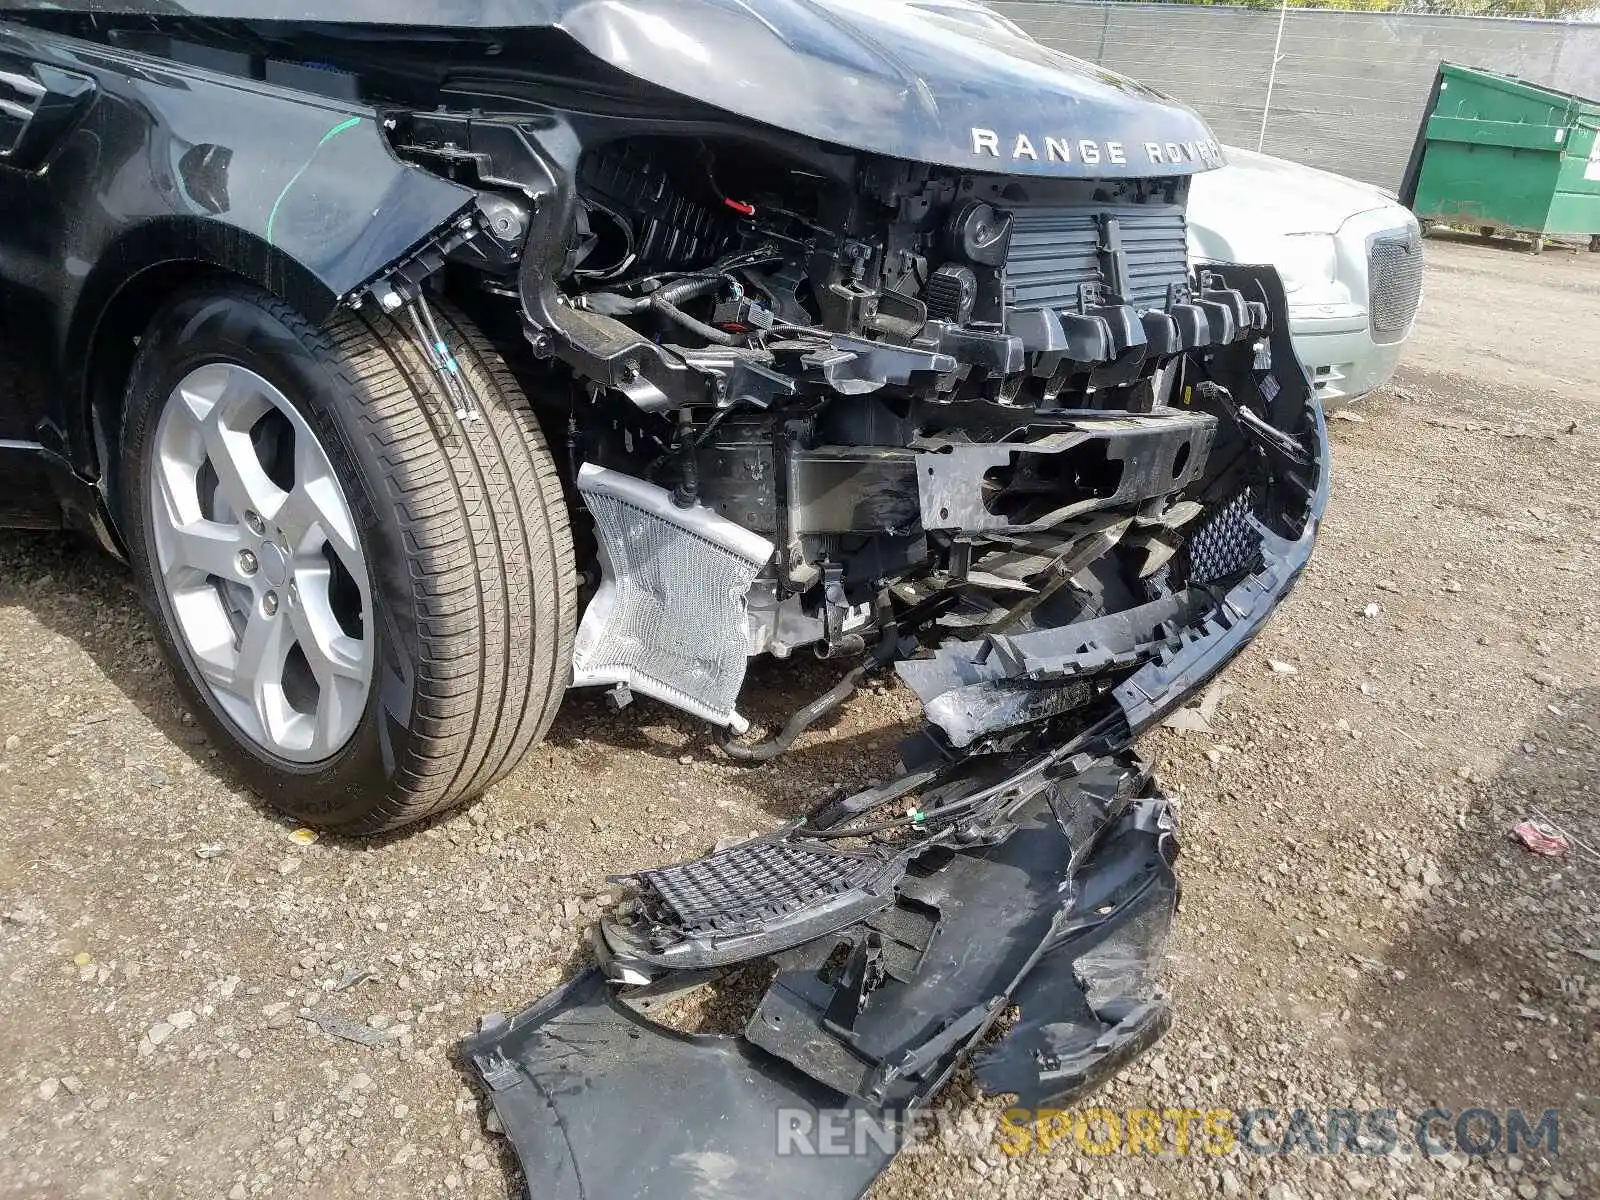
{"points": [[1351, 86]]}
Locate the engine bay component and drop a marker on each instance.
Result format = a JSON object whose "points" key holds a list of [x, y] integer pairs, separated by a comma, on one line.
{"points": [[1093, 462], [668, 619]]}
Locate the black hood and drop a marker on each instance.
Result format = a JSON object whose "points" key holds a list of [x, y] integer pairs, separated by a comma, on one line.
{"points": [[875, 76]]}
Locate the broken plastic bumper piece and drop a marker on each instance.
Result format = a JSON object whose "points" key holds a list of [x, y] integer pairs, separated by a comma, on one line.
{"points": [[1166, 648], [888, 969]]}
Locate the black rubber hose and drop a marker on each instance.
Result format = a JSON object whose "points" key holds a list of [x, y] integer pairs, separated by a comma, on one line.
{"points": [[699, 328], [797, 724], [691, 288], [882, 654], [687, 493], [665, 300], [615, 304]]}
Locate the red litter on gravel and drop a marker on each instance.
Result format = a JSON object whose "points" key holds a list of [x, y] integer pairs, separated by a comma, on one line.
{"points": [[1540, 838]]}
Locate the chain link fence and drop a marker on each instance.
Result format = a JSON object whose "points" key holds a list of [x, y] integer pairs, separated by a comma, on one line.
{"points": [[1340, 90]]}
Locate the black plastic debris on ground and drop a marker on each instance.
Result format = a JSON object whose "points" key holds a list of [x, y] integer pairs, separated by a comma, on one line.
{"points": [[1063, 916]]}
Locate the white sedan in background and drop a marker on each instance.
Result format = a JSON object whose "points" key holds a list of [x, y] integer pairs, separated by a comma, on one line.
{"points": [[1349, 255]]}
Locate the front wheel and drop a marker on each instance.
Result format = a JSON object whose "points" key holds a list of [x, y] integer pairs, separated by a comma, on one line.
{"points": [[368, 598]]}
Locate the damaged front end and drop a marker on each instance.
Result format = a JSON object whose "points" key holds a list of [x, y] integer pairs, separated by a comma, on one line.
{"points": [[1069, 570], [983, 428], [1054, 523], [858, 332], [873, 361]]}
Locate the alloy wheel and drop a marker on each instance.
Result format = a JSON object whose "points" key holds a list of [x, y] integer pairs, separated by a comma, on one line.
{"points": [[257, 552]]}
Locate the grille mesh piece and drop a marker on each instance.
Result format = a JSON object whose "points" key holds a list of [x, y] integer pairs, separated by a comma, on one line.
{"points": [[748, 885], [669, 619], [1055, 249], [1394, 283], [1225, 544]]}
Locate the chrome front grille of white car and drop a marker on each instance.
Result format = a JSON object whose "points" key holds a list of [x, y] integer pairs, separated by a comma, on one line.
{"points": [[1394, 283]]}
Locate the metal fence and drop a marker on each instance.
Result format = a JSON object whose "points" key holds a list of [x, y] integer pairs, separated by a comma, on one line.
{"points": [[1347, 89]]}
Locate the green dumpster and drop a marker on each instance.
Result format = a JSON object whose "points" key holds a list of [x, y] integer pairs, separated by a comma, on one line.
{"points": [[1506, 156]]}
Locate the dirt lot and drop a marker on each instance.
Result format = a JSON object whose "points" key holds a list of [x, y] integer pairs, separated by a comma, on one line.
{"points": [[1357, 929]]}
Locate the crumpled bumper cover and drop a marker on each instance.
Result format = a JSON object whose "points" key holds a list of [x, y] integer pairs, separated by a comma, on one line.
{"points": [[1065, 918], [975, 688], [599, 1102]]}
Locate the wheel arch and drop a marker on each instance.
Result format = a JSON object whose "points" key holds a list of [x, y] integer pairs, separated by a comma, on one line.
{"points": [[131, 281], [170, 170]]}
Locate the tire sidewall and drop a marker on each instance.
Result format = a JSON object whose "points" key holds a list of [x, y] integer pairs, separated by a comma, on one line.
{"points": [[235, 325]]}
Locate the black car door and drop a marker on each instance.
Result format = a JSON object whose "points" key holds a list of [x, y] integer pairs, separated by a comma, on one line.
{"points": [[39, 103]]}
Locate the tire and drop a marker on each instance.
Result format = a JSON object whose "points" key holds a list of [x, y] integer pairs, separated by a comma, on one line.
{"points": [[445, 581]]}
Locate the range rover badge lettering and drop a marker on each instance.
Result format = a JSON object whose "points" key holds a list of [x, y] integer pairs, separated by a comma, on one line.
{"points": [[992, 144]]}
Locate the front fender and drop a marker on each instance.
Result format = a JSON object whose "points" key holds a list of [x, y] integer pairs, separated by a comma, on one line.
{"points": [[171, 163], [296, 189]]}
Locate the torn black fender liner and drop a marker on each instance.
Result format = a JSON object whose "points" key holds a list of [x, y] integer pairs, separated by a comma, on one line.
{"points": [[1065, 916], [1089, 1004]]}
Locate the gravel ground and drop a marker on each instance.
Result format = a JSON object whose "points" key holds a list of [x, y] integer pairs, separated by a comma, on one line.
{"points": [[1357, 929]]}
